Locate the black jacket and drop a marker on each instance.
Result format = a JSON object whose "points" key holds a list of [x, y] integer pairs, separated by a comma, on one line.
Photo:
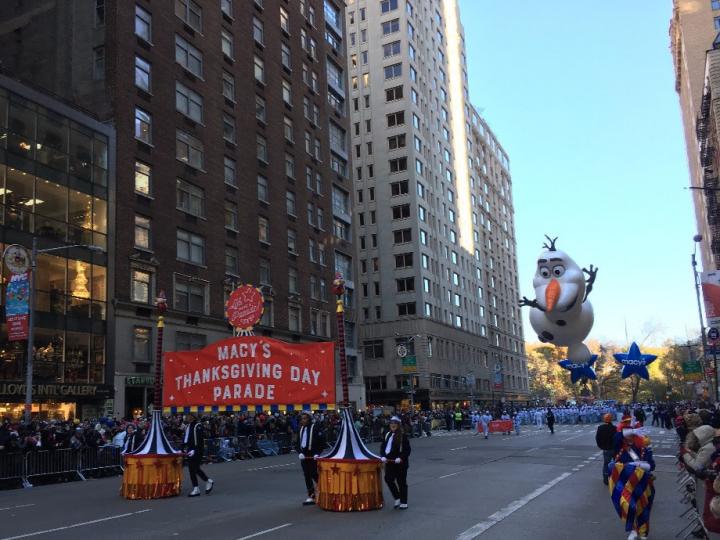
{"points": [[194, 439], [550, 417], [605, 436], [397, 449], [132, 442], [315, 441]]}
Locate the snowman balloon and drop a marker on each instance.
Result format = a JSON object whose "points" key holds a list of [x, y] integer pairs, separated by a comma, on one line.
{"points": [[561, 313]]}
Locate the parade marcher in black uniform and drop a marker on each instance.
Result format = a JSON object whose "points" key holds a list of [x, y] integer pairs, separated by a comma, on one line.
{"points": [[551, 421], [310, 445], [132, 441], [395, 451], [193, 444]]}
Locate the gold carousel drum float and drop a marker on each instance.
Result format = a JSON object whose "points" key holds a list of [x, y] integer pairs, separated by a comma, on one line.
{"points": [[154, 470], [350, 475]]}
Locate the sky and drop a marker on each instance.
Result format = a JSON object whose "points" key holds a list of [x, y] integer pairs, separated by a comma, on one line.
{"points": [[582, 97]]}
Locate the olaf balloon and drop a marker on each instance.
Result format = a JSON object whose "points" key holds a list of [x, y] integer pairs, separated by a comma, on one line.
{"points": [[561, 313]]}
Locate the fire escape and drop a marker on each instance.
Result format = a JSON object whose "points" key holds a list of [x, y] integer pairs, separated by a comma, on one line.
{"points": [[711, 185]]}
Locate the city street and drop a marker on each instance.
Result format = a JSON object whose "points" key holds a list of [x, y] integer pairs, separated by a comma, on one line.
{"points": [[535, 485]]}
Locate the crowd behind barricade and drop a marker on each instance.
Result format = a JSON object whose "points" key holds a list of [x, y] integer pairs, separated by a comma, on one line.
{"points": [[247, 436]]}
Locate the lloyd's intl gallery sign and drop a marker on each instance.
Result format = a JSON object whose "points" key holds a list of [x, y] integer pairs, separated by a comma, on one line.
{"points": [[250, 370], [57, 391]]}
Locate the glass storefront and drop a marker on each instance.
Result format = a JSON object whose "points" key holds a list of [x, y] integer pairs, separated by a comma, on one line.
{"points": [[54, 186]]}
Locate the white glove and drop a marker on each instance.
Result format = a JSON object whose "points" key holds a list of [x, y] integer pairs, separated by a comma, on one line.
{"points": [[301, 456], [398, 461], [383, 459], [316, 456], [191, 453], [644, 465]]}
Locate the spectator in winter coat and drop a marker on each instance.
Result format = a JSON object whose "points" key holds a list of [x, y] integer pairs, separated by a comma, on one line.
{"points": [[699, 448]]}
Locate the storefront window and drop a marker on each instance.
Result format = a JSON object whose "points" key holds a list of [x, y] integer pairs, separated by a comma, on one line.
{"points": [[97, 360], [99, 222], [50, 283], [52, 143], [48, 361], [100, 161], [80, 154], [18, 194], [78, 287], [80, 217], [99, 292], [50, 205], [77, 357]]}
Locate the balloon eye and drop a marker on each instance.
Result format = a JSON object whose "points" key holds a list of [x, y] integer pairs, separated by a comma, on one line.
{"points": [[544, 271], [558, 270]]}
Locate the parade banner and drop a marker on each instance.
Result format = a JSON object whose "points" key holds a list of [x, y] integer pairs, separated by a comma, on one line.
{"points": [[500, 426], [16, 307], [710, 282], [250, 370]]}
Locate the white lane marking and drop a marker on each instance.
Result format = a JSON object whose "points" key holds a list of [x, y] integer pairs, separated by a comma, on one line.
{"points": [[668, 457], [531, 450], [74, 525], [451, 474], [571, 438], [270, 467], [18, 506], [497, 517], [459, 448], [265, 531]]}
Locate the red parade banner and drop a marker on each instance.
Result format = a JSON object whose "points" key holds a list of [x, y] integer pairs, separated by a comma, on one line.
{"points": [[250, 370]]}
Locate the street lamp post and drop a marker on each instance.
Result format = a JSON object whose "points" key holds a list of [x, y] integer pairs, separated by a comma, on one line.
{"points": [[693, 260], [31, 318]]}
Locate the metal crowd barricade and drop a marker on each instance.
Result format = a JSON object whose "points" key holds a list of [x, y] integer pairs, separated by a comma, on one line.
{"points": [[104, 458], [12, 467], [51, 462]]}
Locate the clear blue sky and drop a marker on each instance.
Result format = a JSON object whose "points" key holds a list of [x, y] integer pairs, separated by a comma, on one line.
{"points": [[582, 97]]}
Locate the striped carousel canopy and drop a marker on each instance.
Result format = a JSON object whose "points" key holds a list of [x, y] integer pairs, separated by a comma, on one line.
{"points": [[155, 441], [349, 445]]}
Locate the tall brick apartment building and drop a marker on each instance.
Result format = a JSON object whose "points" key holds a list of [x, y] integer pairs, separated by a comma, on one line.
{"points": [[232, 162]]}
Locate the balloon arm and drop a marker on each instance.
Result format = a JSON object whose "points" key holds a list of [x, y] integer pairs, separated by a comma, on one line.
{"points": [[592, 274], [532, 303]]}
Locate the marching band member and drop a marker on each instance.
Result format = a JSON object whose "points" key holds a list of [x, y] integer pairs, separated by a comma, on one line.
{"points": [[394, 452], [193, 444], [310, 445]]}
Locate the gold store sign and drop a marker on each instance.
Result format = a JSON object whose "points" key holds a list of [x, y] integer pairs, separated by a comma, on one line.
{"points": [[55, 390]]}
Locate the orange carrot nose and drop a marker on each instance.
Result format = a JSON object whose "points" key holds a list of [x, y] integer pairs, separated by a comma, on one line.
{"points": [[552, 293]]}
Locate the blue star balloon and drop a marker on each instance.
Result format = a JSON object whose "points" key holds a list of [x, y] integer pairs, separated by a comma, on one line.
{"points": [[634, 362], [580, 371]]}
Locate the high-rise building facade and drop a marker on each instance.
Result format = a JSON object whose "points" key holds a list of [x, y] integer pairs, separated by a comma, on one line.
{"points": [[231, 119], [427, 196], [57, 177], [693, 31]]}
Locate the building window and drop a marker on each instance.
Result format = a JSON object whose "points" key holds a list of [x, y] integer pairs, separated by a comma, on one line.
{"points": [[141, 344], [393, 71], [232, 260], [374, 349], [288, 128], [143, 178], [265, 276], [398, 165], [294, 319], [263, 229], [389, 27], [143, 77], [391, 49], [401, 211], [188, 56], [229, 171], [142, 232], [260, 109], [143, 24], [290, 203], [228, 128], [98, 63], [262, 152], [143, 126], [259, 70], [189, 150], [258, 31], [292, 241], [285, 56], [99, 13], [287, 92], [185, 341], [399, 188], [404, 260], [406, 309], [293, 280], [189, 198], [226, 7], [402, 236], [289, 166], [228, 86], [231, 216], [262, 189], [191, 295], [140, 286], [190, 247], [388, 5], [190, 13], [188, 102], [226, 43]]}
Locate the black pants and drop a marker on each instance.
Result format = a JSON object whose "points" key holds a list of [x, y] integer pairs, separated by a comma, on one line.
{"points": [[608, 456], [195, 470], [309, 467], [396, 480], [551, 425]]}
